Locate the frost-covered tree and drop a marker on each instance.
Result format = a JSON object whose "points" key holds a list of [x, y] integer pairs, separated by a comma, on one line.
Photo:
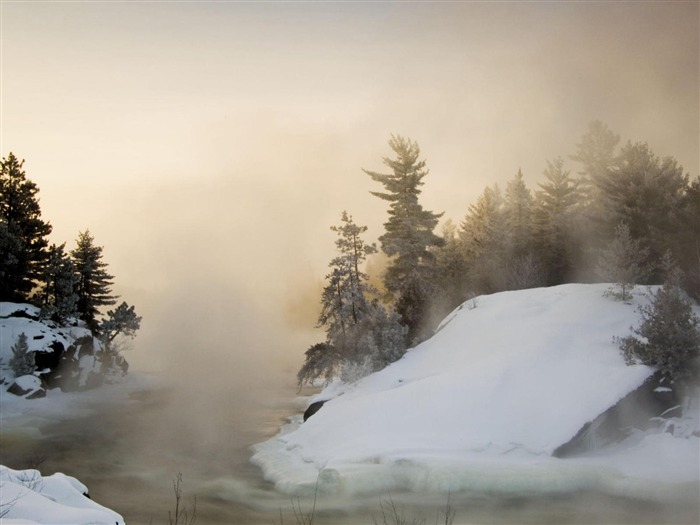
{"points": [[22, 360], [360, 334], [450, 286], [596, 154], [344, 299], [669, 334], [483, 235], [623, 262], [120, 321], [517, 214], [321, 362], [23, 233], [95, 284], [59, 279], [408, 233], [554, 220]]}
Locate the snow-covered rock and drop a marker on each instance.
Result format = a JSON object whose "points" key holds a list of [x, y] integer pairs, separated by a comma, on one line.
{"points": [[27, 386], [482, 405], [68, 357], [28, 497]]}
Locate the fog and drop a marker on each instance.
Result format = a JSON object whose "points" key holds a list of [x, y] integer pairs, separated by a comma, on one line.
{"points": [[209, 146]]}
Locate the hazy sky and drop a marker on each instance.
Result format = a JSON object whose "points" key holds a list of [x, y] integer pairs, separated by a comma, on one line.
{"points": [[212, 144]]}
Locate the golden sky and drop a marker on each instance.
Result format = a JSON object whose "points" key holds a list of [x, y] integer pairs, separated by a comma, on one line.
{"points": [[218, 141]]}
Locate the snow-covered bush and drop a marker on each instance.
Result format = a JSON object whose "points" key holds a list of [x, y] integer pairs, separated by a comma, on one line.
{"points": [[669, 334], [22, 361]]}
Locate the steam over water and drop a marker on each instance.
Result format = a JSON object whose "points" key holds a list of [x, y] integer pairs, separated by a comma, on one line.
{"points": [[226, 384]]}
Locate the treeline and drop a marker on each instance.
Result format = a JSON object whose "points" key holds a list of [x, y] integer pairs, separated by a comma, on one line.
{"points": [[65, 285], [625, 216]]}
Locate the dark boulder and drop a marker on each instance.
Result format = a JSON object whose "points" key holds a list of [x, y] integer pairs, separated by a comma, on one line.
{"points": [[641, 409], [49, 359], [313, 408]]}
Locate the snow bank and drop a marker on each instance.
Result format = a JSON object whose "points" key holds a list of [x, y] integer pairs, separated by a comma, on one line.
{"points": [[28, 497], [480, 406]]}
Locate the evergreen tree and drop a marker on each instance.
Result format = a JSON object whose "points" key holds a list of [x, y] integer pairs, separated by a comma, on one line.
{"points": [[409, 233], [517, 211], [22, 361], [670, 334], [450, 286], [685, 241], [623, 262], [344, 299], [95, 284], [483, 234], [646, 193], [554, 219], [596, 153], [59, 278], [22, 232], [121, 321], [360, 335]]}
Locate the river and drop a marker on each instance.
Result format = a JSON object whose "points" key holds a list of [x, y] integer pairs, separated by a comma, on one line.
{"points": [[129, 454]]}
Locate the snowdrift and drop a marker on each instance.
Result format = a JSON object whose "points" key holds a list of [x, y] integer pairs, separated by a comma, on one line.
{"points": [[28, 497], [506, 379]]}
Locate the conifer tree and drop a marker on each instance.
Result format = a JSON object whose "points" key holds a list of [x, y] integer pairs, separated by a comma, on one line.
{"points": [[624, 262], [669, 334], [483, 235], [22, 360], [646, 193], [95, 284], [596, 153], [22, 232], [360, 335], [59, 279], [554, 221], [408, 233], [517, 210]]}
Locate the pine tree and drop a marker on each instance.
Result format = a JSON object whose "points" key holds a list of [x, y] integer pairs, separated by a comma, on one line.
{"points": [[344, 299], [517, 211], [669, 332], [22, 232], [120, 321], [22, 361], [95, 284], [450, 286], [624, 262], [360, 335], [646, 193], [483, 235], [554, 219], [59, 279], [408, 233], [596, 153]]}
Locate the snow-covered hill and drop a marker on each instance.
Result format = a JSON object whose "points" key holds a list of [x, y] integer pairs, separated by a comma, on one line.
{"points": [[483, 404]]}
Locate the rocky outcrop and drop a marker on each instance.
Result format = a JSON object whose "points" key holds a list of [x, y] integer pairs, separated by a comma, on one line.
{"points": [[642, 409]]}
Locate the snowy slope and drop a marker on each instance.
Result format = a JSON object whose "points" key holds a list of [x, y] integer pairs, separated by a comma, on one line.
{"points": [[28, 497], [481, 405]]}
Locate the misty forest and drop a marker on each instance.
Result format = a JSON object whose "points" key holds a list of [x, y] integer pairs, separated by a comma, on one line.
{"points": [[625, 216], [608, 212]]}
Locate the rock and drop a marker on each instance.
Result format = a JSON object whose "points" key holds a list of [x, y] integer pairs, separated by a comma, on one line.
{"points": [[313, 408], [28, 386], [642, 409]]}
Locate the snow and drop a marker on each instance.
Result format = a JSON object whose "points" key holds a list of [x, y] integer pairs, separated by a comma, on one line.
{"points": [[29, 497], [482, 405]]}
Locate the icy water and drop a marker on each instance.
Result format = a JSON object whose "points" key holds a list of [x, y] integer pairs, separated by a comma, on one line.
{"points": [[129, 454]]}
